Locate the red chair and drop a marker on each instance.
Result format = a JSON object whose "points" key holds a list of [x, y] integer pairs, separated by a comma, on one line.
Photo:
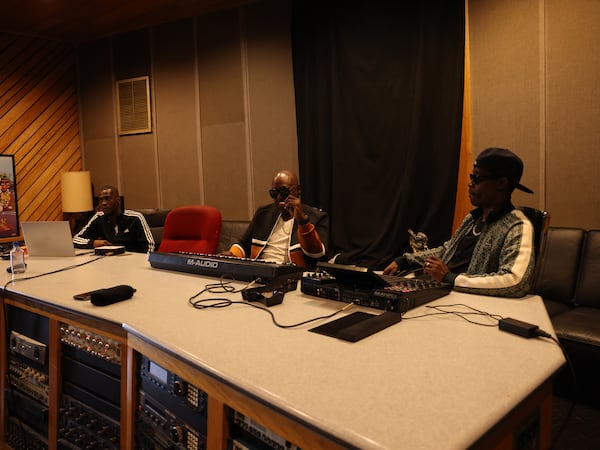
{"points": [[194, 229]]}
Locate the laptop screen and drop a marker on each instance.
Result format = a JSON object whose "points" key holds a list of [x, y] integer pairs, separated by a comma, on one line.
{"points": [[51, 238], [350, 275]]}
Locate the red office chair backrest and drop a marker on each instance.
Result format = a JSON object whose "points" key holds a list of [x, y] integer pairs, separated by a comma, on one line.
{"points": [[194, 229]]}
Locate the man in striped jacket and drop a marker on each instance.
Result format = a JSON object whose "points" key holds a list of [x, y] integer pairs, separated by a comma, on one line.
{"points": [[112, 226]]}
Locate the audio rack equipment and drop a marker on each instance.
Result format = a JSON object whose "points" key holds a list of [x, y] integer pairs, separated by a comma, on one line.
{"points": [[159, 428], [217, 265], [90, 342], [21, 436], [85, 427], [27, 391], [249, 434], [29, 380], [172, 413], [353, 284], [28, 410], [90, 401], [28, 347]]}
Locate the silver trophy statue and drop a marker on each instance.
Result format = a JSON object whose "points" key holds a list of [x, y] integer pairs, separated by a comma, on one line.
{"points": [[418, 241]]}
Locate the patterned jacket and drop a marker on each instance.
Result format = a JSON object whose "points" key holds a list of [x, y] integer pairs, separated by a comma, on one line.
{"points": [[503, 259], [308, 242]]}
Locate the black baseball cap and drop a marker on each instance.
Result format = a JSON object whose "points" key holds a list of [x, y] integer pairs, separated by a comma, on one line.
{"points": [[502, 162]]}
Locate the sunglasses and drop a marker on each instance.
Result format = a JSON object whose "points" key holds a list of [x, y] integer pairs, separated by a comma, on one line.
{"points": [[476, 179], [282, 191]]}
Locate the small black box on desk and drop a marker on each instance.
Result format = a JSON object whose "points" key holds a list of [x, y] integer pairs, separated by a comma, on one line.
{"points": [[108, 250]]}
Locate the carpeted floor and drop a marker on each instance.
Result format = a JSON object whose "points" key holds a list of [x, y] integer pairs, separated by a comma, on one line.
{"points": [[581, 432]]}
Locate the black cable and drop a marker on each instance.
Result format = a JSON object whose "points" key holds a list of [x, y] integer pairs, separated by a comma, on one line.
{"points": [[575, 387], [221, 287], [222, 302], [224, 287], [461, 314], [73, 266]]}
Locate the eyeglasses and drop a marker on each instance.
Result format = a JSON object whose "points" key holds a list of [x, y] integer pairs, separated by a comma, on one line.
{"points": [[476, 179], [282, 191]]}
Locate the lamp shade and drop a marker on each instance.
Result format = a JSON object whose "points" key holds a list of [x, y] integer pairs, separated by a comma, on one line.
{"points": [[76, 190]]}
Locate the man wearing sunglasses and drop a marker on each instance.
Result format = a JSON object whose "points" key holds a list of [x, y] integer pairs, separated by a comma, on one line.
{"points": [[286, 231], [491, 252]]}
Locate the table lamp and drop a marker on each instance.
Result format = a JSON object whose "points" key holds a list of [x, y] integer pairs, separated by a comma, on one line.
{"points": [[76, 188]]}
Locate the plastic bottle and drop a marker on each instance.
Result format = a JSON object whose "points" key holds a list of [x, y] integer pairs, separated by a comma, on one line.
{"points": [[17, 259]]}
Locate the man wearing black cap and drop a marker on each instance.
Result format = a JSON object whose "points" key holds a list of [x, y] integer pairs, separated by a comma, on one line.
{"points": [[491, 252]]}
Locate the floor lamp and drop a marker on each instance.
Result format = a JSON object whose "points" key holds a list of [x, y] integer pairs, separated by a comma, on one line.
{"points": [[76, 188]]}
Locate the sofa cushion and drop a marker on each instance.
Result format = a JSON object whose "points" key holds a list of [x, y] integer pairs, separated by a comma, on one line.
{"points": [[156, 220], [557, 276], [554, 308], [587, 292], [231, 231], [579, 324]]}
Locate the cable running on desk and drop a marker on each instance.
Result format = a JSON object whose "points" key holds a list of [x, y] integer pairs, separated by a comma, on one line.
{"points": [[223, 286]]}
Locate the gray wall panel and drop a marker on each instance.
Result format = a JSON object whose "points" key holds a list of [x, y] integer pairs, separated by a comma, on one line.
{"points": [[271, 94], [176, 106], [505, 82], [573, 112]]}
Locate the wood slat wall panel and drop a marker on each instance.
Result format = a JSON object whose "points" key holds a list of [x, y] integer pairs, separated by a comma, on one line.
{"points": [[39, 121]]}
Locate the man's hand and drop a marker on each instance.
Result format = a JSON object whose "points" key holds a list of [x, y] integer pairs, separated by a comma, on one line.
{"points": [[435, 267], [391, 269], [101, 242], [293, 205]]}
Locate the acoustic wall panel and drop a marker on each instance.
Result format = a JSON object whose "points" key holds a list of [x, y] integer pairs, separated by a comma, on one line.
{"points": [[272, 112], [226, 157], [506, 77], [177, 119], [137, 161], [97, 113], [573, 112]]}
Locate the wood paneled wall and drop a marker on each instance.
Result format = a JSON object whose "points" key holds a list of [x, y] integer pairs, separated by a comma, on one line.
{"points": [[39, 122]]}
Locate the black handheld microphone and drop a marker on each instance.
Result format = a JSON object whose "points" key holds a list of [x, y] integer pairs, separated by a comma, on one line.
{"points": [[103, 297]]}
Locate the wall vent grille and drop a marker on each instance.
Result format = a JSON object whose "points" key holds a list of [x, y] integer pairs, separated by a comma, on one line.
{"points": [[134, 105]]}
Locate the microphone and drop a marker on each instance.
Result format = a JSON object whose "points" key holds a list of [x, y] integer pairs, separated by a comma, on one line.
{"points": [[103, 297]]}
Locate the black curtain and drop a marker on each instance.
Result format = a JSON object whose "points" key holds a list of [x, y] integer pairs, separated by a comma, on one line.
{"points": [[379, 91]]}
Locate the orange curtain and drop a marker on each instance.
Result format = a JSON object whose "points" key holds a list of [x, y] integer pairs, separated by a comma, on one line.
{"points": [[462, 204]]}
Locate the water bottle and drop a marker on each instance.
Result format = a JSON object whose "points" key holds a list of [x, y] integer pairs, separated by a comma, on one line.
{"points": [[17, 259]]}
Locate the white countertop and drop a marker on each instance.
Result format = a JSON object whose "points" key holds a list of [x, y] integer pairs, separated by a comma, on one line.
{"points": [[422, 383]]}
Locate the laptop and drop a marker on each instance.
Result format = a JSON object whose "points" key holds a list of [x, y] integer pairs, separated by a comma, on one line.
{"points": [[362, 277], [52, 239]]}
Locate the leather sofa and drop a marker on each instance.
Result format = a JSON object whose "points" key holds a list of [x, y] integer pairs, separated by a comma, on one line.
{"points": [[231, 231], [156, 219], [569, 282]]}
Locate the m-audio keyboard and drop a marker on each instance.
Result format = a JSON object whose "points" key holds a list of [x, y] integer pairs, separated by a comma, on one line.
{"points": [[217, 266]]}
